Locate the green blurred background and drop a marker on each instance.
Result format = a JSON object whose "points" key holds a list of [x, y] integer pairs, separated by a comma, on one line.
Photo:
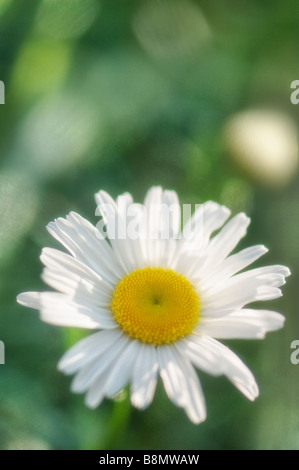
{"points": [[121, 95]]}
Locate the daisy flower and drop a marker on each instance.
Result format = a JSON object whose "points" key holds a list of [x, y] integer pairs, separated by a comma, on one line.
{"points": [[160, 303]]}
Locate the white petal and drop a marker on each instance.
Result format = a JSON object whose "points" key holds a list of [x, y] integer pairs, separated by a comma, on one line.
{"points": [[121, 371], [163, 218], [190, 254], [78, 289], [108, 209], [231, 303], [153, 199], [116, 228], [232, 265], [153, 205], [273, 275], [134, 221], [113, 379], [269, 275], [196, 233], [59, 309], [200, 354], [226, 240], [246, 323], [71, 277], [29, 299], [230, 365], [171, 200], [96, 392], [159, 221], [170, 221], [128, 252], [56, 312], [196, 407], [254, 285], [97, 249], [57, 260], [123, 202], [171, 375], [181, 383], [87, 376], [83, 241], [144, 377], [95, 357], [87, 350]]}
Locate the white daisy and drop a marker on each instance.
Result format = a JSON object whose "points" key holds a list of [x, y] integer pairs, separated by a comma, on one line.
{"points": [[160, 305]]}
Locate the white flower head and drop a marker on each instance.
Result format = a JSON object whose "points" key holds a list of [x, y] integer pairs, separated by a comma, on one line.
{"points": [[160, 302]]}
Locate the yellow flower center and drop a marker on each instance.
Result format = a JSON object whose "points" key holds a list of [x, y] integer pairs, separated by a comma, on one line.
{"points": [[155, 305]]}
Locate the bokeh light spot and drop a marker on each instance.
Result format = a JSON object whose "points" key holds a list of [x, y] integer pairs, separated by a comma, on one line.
{"points": [[58, 134], [171, 28], [66, 18], [41, 66], [264, 144], [19, 204]]}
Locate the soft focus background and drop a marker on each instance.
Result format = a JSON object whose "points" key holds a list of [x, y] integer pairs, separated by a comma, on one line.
{"points": [[121, 95]]}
